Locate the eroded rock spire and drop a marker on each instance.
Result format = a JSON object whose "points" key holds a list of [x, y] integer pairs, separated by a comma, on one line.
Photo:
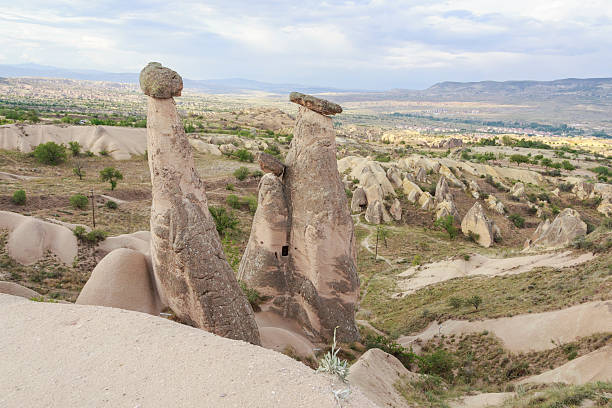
{"points": [[301, 252], [189, 265]]}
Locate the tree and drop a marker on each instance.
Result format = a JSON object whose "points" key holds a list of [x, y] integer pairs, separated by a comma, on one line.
{"points": [[475, 301], [546, 162], [519, 158], [75, 148], [50, 153], [382, 233], [448, 223], [112, 175], [78, 169]]}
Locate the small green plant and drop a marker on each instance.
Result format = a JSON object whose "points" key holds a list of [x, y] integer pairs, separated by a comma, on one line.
{"points": [[447, 223], [404, 355], [19, 197], [95, 236], [79, 201], [79, 172], [244, 155], [89, 153], [233, 201], [241, 173], [112, 175], [332, 364], [439, 363], [75, 148], [104, 153], [50, 153], [455, 302], [517, 220], [566, 187], [224, 221], [252, 295], [257, 173], [111, 205], [79, 231], [230, 187], [251, 202], [417, 260]]}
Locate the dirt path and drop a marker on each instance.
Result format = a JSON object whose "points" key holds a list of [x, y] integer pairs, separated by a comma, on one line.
{"points": [[531, 332], [421, 276]]}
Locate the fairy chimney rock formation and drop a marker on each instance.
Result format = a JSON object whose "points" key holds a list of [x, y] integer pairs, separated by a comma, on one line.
{"points": [[301, 252], [189, 265]]}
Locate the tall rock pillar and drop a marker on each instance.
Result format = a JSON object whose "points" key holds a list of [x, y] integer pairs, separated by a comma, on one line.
{"points": [[311, 273], [190, 268]]}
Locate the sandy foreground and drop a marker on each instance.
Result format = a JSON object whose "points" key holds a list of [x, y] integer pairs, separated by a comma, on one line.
{"points": [[65, 355]]}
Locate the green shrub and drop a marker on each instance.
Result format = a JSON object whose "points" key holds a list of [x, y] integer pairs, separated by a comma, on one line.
{"points": [[19, 197], [448, 224], [567, 165], [95, 236], [439, 363], [566, 187], [455, 302], [79, 201], [79, 172], [241, 173], [417, 260], [112, 175], [224, 221], [257, 173], [244, 155], [229, 187], [111, 205], [104, 152], [475, 301], [50, 153], [89, 153], [382, 158], [517, 220], [233, 201], [252, 295], [75, 148], [79, 231], [251, 202]]}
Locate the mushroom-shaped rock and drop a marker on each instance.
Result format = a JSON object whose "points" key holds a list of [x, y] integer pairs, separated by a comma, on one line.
{"points": [[476, 224], [270, 164], [313, 103], [160, 82], [122, 279], [189, 265]]}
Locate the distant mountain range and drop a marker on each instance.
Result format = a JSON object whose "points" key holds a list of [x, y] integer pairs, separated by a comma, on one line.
{"points": [[571, 90], [216, 86]]}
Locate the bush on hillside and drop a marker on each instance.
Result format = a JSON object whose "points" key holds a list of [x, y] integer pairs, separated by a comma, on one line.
{"points": [[50, 153], [19, 197]]}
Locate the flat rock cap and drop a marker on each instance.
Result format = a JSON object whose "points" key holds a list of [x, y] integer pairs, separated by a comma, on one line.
{"points": [[160, 82], [318, 105]]}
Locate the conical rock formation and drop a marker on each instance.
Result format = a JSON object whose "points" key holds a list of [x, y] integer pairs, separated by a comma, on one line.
{"points": [[190, 268]]}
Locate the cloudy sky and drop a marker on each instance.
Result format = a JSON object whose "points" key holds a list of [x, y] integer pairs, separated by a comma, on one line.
{"points": [[375, 44]]}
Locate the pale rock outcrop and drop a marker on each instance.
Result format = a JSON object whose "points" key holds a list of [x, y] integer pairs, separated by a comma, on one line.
{"points": [[446, 208], [566, 227], [494, 204], [204, 147], [191, 272], [30, 238], [518, 189], [396, 210], [477, 223], [421, 175], [426, 201], [122, 279], [376, 213], [605, 208], [359, 200], [376, 373], [411, 190], [374, 193], [368, 172], [450, 176], [450, 143], [306, 262], [475, 189], [395, 177], [12, 288], [227, 149], [443, 193], [583, 190], [556, 192]]}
